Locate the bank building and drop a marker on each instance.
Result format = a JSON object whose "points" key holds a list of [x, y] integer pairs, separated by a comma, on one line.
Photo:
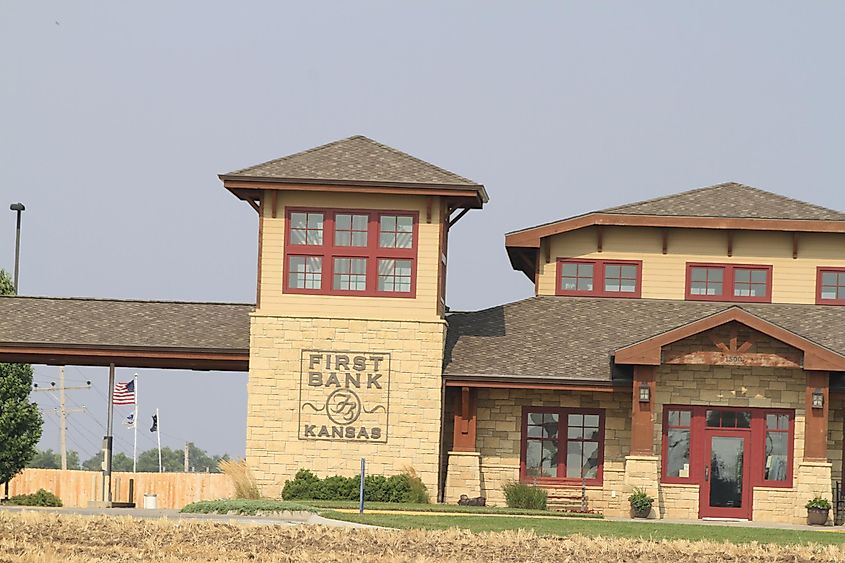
{"points": [[691, 345]]}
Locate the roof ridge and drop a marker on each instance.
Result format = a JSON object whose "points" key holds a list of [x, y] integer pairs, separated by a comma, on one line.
{"points": [[289, 156], [419, 160], [620, 209], [116, 300], [432, 167], [662, 197]]}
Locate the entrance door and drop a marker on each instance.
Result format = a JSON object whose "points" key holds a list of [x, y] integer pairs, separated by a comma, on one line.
{"points": [[725, 492]]}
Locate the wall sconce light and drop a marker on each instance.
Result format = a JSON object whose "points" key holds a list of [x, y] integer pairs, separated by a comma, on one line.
{"points": [[645, 393], [818, 399]]}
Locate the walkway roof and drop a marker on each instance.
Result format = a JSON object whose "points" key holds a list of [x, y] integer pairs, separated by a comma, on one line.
{"points": [[99, 332]]}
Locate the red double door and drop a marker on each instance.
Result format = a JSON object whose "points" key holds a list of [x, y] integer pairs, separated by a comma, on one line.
{"points": [[726, 489]]}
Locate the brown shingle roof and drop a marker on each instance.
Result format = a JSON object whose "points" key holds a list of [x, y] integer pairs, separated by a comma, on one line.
{"points": [[573, 338], [729, 200], [357, 160], [110, 323]]}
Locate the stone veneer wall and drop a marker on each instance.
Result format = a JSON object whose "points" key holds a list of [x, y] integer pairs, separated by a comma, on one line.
{"points": [[274, 451], [499, 439]]}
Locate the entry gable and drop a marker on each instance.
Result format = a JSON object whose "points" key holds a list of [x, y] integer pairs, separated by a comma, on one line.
{"points": [[731, 337], [733, 344]]}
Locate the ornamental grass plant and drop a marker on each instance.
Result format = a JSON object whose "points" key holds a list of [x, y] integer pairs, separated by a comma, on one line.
{"points": [[521, 495], [245, 484]]}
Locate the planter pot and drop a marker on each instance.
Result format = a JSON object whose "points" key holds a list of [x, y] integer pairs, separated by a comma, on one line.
{"points": [[642, 513], [817, 516]]}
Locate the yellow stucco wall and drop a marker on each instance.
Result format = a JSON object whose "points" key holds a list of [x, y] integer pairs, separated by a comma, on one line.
{"points": [[273, 299], [794, 280]]}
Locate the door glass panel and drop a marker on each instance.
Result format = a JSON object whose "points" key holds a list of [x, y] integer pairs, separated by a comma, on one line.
{"points": [[726, 457]]}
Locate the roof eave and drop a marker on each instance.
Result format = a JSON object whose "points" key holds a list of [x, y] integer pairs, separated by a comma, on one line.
{"points": [[532, 236], [472, 195]]}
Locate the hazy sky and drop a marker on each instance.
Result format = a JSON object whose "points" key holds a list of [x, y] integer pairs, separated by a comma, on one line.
{"points": [[116, 117]]}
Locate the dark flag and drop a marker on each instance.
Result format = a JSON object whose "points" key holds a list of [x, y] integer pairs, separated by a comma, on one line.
{"points": [[154, 427]]}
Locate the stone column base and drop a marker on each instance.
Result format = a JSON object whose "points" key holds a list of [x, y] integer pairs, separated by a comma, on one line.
{"points": [[643, 471], [463, 476]]}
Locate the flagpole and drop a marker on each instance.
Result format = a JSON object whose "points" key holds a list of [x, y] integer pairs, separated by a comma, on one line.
{"points": [[135, 425], [158, 435]]}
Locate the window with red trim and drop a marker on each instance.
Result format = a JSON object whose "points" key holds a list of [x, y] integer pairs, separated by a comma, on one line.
{"points": [[729, 282], [677, 452], [599, 278], [562, 444], [776, 463], [830, 286], [351, 252]]}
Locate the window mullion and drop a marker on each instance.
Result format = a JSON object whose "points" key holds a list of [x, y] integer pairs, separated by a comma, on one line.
{"points": [[562, 444]]}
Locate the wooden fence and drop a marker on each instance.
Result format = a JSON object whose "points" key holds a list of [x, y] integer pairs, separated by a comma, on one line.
{"points": [[76, 488]]}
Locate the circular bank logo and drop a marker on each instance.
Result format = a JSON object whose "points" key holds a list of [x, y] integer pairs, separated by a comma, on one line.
{"points": [[343, 406]]}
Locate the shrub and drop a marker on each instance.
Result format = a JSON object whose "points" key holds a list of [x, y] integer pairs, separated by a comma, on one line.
{"points": [[520, 495], [40, 498], [640, 501], [820, 503], [242, 479], [405, 487]]}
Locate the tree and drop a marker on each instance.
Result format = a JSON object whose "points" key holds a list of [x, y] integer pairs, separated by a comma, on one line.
{"points": [[119, 462], [7, 286], [49, 459], [20, 420]]}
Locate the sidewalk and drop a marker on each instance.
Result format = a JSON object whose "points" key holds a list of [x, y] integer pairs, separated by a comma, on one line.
{"points": [[290, 519]]}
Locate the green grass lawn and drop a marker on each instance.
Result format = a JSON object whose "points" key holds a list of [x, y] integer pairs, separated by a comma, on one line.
{"points": [[246, 506], [587, 527], [433, 507]]}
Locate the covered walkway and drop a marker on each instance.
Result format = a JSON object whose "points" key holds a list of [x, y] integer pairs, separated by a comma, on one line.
{"points": [[124, 333]]}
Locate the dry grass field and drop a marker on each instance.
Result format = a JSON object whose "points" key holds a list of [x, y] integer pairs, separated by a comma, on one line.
{"points": [[72, 539]]}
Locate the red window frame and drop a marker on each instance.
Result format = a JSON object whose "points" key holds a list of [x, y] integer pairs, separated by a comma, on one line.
{"points": [[563, 427], [599, 278], [728, 278], [328, 251], [757, 435], [827, 269]]}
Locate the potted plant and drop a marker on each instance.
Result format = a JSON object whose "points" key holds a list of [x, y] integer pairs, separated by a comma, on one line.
{"points": [[640, 503], [817, 511]]}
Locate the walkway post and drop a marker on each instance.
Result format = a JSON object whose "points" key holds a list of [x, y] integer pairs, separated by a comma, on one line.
{"points": [[361, 489], [107, 441]]}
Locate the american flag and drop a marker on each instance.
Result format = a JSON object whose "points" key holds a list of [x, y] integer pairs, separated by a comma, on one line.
{"points": [[124, 393]]}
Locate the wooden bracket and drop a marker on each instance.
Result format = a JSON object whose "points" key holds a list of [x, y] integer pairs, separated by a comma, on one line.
{"points": [[794, 246], [274, 202], [599, 238], [428, 205], [730, 243], [457, 218], [254, 205], [665, 236], [547, 249]]}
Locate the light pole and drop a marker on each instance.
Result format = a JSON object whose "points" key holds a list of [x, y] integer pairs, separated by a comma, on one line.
{"points": [[18, 208]]}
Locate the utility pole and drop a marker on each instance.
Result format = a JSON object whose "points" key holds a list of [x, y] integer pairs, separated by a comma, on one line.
{"points": [[187, 456], [62, 418], [63, 411], [17, 208]]}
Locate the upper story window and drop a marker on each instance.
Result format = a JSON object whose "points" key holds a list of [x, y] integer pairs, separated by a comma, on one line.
{"points": [[599, 278], [830, 286], [341, 252], [729, 282]]}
